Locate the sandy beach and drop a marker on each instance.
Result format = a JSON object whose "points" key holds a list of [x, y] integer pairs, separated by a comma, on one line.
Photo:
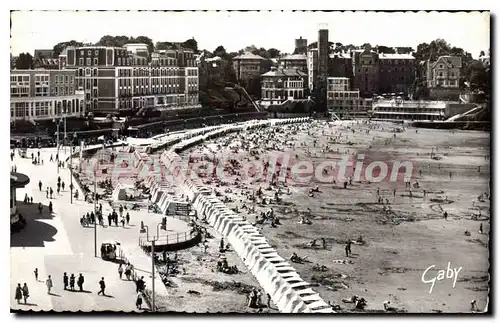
{"points": [[402, 236]]}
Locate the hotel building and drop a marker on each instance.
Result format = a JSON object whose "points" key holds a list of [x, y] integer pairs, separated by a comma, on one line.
{"points": [[117, 79], [281, 85], [44, 94]]}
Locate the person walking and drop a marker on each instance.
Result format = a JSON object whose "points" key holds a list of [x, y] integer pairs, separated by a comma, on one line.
{"points": [[47, 193], [127, 218], [102, 285], [268, 301], [80, 282], [26, 293], [72, 282], [128, 271], [62, 185], [19, 294], [65, 281], [49, 284], [348, 248], [481, 228], [138, 302], [40, 185], [36, 274], [120, 271]]}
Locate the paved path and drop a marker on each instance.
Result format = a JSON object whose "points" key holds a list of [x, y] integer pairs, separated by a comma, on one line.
{"points": [[57, 243]]}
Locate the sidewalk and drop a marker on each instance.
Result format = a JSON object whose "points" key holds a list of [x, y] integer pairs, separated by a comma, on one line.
{"points": [[57, 244]]}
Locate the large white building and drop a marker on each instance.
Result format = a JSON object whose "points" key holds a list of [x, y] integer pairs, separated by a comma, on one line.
{"points": [[399, 109], [344, 102], [44, 94]]}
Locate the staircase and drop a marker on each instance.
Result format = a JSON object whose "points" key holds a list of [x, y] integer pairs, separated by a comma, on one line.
{"points": [[461, 115]]}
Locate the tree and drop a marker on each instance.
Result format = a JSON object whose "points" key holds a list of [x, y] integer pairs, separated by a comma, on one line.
{"points": [[115, 41], [163, 45], [220, 51], [366, 45], [385, 49], [13, 60], [24, 61], [477, 75], [58, 48], [312, 45], [273, 53], [250, 48], [191, 43], [148, 41]]}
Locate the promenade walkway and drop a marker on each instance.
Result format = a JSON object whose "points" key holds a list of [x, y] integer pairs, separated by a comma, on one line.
{"points": [[57, 243]]}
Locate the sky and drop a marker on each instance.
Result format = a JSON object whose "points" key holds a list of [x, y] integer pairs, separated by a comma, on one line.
{"points": [[32, 30]]}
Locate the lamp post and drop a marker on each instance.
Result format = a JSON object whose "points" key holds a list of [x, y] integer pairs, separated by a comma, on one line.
{"points": [[65, 134], [95, 210], [145, 229], [71, 169], [58, 122]]}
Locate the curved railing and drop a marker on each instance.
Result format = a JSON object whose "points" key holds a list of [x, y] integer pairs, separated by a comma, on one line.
{"points": [[168, 239]]}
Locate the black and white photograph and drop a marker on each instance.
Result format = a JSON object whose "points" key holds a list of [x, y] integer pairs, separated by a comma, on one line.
{"points": [[253, 162]]}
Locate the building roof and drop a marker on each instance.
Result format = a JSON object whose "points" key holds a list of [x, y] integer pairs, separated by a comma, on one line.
{"points": [[395, 56], [136, 45], [451, 61], [294, 57], [248, 55], [18, 180], [46, 61], [280, 72]]}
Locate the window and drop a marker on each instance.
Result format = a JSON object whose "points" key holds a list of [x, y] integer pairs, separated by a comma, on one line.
{"points": [[95, 61], [80, 61], [89, 53], [89, 61], [57, 78], [82, 52], [96, 52]]}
